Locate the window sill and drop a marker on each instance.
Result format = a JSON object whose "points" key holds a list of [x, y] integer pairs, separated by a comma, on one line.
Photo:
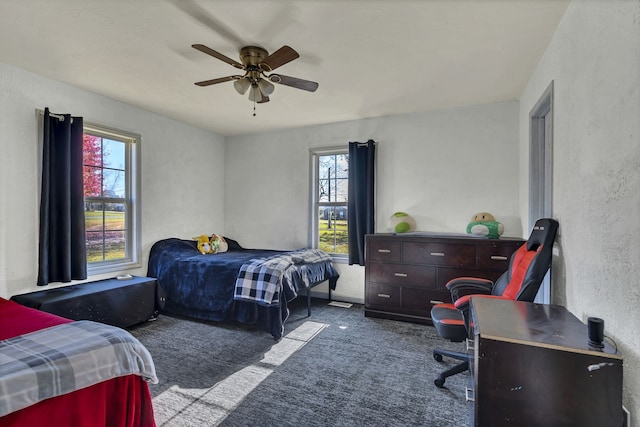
{"points": [[110, 268]]}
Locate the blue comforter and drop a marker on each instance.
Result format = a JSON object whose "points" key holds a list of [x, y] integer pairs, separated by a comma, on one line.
{"points": [[202, 286]]}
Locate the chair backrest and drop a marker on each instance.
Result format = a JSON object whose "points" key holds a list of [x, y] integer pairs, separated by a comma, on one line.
{"points": [[529, 264]]}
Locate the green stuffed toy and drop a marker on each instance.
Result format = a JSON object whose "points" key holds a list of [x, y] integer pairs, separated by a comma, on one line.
{"points": [[484, 224], [218, 243]]}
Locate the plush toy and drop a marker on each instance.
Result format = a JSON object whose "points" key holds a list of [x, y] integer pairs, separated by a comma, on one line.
{"points": [[204, 245], [218, 244], [484, 224], [401, 222]]}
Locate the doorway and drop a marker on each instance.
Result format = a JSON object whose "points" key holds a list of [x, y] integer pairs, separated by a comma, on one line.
{"points": [[540, 171]]}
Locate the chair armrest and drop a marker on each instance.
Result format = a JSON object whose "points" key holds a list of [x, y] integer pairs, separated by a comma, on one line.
{"points": [[462, 286]]}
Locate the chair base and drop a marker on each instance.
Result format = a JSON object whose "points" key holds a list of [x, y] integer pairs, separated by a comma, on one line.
{"points": [[457, 369]]}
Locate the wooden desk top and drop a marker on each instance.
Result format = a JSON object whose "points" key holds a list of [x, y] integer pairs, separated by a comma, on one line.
{"points": [[542, 325]]}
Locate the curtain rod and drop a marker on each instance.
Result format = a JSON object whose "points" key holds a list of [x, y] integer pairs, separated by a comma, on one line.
{"points": [[365, 143], [60, 117]]}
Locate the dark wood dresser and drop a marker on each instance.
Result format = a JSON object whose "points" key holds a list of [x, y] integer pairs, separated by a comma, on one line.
{"points": [[405, 274]]}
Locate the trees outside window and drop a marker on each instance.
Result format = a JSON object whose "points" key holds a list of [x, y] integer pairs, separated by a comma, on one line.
{"points": [[330, 197], [109, 174]]}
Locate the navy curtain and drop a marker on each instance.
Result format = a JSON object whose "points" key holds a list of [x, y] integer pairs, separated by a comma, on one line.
{"points": [[62, 250], [361, 197]]}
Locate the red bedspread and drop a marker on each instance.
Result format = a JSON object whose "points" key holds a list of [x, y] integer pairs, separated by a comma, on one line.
{"points": [[120, 402]]}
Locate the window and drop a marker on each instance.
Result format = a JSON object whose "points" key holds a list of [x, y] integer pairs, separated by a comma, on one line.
{"points": [[110, 194], [330, 180]]}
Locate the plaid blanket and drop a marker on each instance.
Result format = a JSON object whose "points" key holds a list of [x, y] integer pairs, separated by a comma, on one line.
{"points": [[67, 357], [309, 256], [260, 280]]}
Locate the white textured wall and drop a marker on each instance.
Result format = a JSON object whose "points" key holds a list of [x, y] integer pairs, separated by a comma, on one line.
{"points": [[441, 167], [182, 171], [594, 61]]}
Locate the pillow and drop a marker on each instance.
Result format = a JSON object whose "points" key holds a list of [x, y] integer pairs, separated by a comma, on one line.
{"points": [[233, 245]]}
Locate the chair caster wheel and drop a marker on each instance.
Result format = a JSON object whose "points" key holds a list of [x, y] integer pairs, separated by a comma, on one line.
{"points": [[438, 357], [439, 382]]}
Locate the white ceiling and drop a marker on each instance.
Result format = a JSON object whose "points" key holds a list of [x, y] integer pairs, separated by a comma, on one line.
{"points": [[371, 57]]}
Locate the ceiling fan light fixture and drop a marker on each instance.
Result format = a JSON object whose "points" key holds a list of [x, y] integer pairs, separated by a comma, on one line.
{"points": [[241, 85], [254, 93], [266, 87]]}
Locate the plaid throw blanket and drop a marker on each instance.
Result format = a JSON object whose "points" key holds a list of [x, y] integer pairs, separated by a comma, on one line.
{"points": [[260, 280], [309, 256], [67, 357]]}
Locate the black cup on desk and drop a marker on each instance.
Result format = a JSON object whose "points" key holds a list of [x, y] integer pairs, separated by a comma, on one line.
{"points": [[595, 326]]}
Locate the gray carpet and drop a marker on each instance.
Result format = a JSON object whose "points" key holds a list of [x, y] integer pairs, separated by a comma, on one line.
{"points": [[335, 368]]}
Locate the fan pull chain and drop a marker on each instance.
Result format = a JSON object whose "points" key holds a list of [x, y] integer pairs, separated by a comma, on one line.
{"points": [[254, 108]]}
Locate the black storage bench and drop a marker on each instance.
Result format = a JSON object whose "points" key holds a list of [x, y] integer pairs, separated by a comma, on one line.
{"points": [[117, 302]]}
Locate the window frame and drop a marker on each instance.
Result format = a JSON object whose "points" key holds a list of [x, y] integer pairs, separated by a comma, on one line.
{"points": [[133, 222], [315, 204]]}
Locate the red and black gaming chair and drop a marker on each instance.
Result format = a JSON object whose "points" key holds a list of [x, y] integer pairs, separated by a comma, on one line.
{"points": [[527, 268]]}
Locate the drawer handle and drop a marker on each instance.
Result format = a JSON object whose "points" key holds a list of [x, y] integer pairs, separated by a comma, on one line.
{"points": [[384, 295], [437, 254], [436, 302], [384, 251], [498, 258], [400, 274], [468, 394]]}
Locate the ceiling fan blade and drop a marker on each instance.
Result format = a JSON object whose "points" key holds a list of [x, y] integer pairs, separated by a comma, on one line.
{"points": [[294, 82], [204, 49], [218, 80], [204, 17], [278, 58]]}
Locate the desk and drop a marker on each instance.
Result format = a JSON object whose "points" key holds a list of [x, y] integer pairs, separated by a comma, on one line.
{"points": [[121, 303], [533, 366]]}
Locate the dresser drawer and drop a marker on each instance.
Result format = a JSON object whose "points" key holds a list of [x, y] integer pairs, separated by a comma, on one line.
{"points": [[402, 274], [450, 254], [384, 250], [383, 295], [447, 274], [420, 301], [496, 256]]}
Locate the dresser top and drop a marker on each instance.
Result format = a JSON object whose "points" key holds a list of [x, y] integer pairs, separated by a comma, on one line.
{"points": [[543, 325], [440, 235]]}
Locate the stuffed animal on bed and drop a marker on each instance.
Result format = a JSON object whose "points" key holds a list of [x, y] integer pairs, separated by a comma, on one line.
{"points": [[204, 245], [485, 225], [218, 244]]}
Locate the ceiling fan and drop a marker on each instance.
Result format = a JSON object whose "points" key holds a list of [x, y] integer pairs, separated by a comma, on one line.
{"points": [[256, 62]]}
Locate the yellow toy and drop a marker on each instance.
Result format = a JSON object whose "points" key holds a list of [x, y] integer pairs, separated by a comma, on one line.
{"points": [[204, 245]]}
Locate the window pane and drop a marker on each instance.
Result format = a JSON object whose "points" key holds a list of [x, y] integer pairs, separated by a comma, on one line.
{"points": [[115, 245], [342, 165], [323, 190], [114, 152], [333, 229], [114, 183], [94, 246], [342, 190], [105, 231], [333, 178], [92, 178], [114, 216], [91, 150]]}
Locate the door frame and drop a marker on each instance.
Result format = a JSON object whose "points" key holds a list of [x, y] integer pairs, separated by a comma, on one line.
{"points": [[541, 171]]}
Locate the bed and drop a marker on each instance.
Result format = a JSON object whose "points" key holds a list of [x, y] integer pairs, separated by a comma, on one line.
{"points": [[121, 401], [229, 286]]}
